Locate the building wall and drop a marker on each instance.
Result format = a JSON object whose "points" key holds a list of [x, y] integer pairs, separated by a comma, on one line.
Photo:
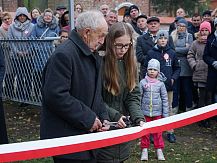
{"points": [[95, 4], [213, 4], [9, 5], [144, 5]]}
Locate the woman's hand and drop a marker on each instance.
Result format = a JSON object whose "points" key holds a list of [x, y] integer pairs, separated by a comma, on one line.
{"points": [[121, 123]]}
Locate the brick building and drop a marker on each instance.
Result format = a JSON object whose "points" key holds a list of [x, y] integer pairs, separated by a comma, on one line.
{"points": [[144, 5]]}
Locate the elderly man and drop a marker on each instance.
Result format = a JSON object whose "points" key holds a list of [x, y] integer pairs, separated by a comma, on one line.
{"points": [[71, 86]]}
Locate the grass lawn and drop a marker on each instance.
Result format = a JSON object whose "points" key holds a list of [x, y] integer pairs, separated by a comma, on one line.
{"points": [[194, 144]]}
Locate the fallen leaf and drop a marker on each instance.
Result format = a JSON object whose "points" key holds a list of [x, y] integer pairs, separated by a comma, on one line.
{"points": [[205, 148]]}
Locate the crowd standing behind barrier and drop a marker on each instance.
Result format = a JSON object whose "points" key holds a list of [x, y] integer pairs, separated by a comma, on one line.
{"points": [[36, 48], [26, 49], [12, 81]]}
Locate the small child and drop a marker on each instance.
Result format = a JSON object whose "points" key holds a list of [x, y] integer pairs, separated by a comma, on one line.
{"points": [[154, 106], [169, 66]]}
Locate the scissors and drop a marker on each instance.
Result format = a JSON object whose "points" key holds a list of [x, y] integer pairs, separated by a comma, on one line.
{"points": [[115, 124]]}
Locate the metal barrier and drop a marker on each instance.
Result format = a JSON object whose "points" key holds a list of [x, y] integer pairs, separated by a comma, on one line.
{"points": [[25, 60]]}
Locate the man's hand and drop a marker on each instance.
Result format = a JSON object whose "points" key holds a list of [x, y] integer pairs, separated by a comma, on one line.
{"points": [[105, 126], [96, 126]]}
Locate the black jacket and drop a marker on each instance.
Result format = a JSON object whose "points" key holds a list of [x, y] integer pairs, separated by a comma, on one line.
{"points": [[169, 67], [71, 93], [143, 45], [209, 56], [192, 30]]}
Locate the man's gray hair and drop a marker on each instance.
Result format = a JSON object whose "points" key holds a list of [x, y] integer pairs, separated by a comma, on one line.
{"points": [[89, 19]]}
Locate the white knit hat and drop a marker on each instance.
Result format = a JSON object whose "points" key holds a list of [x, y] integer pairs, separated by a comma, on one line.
{"points": [[154, 64]]}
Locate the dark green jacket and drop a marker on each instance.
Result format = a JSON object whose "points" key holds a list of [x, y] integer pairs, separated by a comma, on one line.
{"points": [[126, 103]]}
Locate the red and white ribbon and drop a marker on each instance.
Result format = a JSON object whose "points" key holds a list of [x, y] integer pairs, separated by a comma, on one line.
{"points": [[72, 144]]}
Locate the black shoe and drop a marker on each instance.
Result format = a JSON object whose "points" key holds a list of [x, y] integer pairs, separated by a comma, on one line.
{"points": [[171, 137]]}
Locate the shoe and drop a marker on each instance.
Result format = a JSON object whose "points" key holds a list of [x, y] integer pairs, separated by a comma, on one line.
{"points": [[160, 155], [175, 110], [171, 137], [144, 155]]}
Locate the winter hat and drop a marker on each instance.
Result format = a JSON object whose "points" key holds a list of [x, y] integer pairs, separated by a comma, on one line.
{"points": [[60, 8], [183, 21], [162, 33], [133, 7], [154, 64], [178, 18], [215, 22], [206, 25], [22, 11], [153, 18], [141, 16], [207, 12]]}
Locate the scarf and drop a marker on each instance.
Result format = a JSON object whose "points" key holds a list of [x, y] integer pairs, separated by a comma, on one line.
{"points": [[182, 35], [5, 26], [151, 81], [21, 26]]}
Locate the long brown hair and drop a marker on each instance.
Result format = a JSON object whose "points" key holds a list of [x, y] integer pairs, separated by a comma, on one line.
{"points": [[111, 74]]}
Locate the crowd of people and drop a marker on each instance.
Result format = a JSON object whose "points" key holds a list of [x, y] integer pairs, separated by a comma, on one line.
{"points": [[128, 71]]}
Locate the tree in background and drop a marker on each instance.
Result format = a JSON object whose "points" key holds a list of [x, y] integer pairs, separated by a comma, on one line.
{"points": [[170, 6]]}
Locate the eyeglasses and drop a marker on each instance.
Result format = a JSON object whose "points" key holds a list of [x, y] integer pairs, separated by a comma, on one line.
{"points": [[121, 46]]}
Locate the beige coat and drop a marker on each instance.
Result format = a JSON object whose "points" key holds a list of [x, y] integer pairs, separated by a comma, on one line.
{"points": [[195, 59]]}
